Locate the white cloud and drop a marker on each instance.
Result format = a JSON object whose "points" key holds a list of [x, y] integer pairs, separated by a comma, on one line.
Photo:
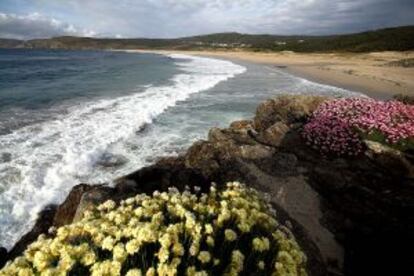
{"points": [[175, 18], [36, 25]]}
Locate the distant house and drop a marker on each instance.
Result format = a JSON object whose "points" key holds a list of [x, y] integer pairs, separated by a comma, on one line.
{"points": [[219, 44]]}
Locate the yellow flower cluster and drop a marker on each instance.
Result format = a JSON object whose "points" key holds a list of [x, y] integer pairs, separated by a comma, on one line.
{"points": [[223, 232]]}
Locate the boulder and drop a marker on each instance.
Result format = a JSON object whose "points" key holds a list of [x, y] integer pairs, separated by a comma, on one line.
{"points": [[66, 211], [248, 152], [274, 134], [288, 109], [395, 161], [167, 172], [241, 125], [89, 199]]}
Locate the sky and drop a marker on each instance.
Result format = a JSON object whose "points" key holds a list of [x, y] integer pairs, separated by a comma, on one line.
{"points": [[27, 19]]}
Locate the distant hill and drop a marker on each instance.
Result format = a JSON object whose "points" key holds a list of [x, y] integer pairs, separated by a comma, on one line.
{"points": [[9, 43], [390, 39]]}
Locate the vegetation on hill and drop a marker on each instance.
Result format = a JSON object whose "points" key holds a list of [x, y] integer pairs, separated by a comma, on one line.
{"points": [[390, 39]]}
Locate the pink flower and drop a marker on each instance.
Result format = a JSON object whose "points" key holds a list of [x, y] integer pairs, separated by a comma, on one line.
{"points": [[338, 126]]}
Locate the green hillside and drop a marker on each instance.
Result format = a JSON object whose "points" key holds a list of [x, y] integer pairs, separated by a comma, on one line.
{"points": [[390, 39]]}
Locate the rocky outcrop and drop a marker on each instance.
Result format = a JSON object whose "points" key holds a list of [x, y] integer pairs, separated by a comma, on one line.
{"points": [[350, 215]]}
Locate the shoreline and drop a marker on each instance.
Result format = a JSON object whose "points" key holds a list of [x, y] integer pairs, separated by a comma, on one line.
{"points": [[367, 73]]}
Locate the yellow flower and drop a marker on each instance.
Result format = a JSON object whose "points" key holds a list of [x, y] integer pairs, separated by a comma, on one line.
{"points": [[279, 267], [108, 243], [119, 219], [261, 244], [261, 265], [210, 241], [208, 228], [25, 272], [237, 262], [244, 226], [178, 249], [89, 258], [194, 248], [150, 272], [63, 233], [132, 246], [224, 216], [192, 271], [41, 260], [119, 252], [107, 205], [204, 257], [66, 262], [134, 272], [130, 201], [163, 255], [230, 235], [194, 221], [165, 240]]}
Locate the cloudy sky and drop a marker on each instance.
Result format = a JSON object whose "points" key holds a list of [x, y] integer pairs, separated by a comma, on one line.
{"points": [[25, 19]]}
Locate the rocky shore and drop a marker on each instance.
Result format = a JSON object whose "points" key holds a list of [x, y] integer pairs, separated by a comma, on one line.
{"points": [[352, 216]]}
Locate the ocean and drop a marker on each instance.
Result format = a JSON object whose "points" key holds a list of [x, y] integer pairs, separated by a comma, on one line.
{"points": [[70, 117]]}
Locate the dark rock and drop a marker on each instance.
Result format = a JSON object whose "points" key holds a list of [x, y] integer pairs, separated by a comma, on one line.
{"points": [[274, 134], [67, 210], [255, 152], [234, 135], [390, 159], [216, 135], [5, 157], [281, 164], [111, 160], [168, 172], [90, 198], [241, 125], [206, 156], [288, 109], [3, 256]]}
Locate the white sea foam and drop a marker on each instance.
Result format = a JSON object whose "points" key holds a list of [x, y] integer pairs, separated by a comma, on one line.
{"points": [[45, 160]]}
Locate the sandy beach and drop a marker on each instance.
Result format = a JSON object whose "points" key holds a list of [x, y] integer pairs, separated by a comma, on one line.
{"points": [[369, 73]]}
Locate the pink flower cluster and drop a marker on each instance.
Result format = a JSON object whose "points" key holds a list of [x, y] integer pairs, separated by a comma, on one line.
{"points": [[338, 126]]}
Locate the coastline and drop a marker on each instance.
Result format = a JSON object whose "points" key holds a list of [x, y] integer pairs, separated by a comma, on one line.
{"points": [[368, 73], [321, 201]]}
